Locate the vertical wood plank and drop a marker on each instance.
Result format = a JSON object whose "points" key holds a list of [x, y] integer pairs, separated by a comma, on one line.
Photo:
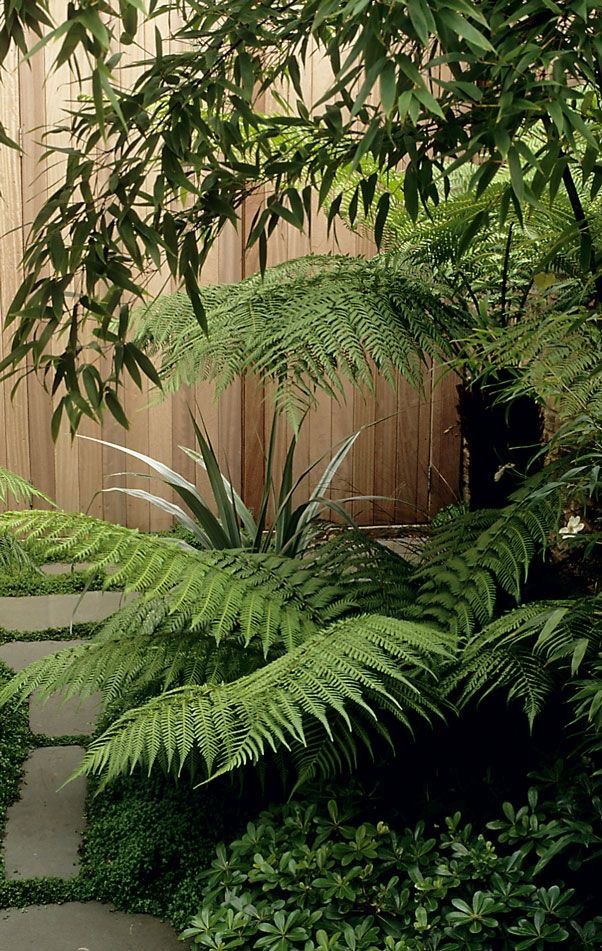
{"points": [[16, 410]]}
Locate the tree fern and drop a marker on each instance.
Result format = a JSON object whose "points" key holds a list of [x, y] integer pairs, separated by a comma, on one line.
{"points": [[372, 663]]}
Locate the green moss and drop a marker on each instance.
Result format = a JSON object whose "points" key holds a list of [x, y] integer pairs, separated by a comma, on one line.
{"points": [[39, 740], [147, 841], [40, 891], [77, 631], [23, 582], [15, 742]]}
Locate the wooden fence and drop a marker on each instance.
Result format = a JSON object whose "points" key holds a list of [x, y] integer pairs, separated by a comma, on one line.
{"points": [[413, 455]]}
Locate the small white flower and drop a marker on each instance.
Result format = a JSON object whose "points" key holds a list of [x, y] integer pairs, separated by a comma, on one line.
{"points": [[572, 527]]}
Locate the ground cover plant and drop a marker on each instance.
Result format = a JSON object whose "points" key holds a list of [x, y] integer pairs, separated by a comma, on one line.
{"points": [[309, 875]]}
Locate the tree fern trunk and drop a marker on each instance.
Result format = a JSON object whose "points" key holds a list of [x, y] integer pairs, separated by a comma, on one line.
{"points": [[500, 438]]}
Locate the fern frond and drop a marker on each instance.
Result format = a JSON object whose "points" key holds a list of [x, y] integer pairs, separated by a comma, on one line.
{"points": [[378, 580], [262, 597], [19, 488], [526, 650], [368, 663], [14, 555], [468, 559], [556, 357], [460, 238], [139, 648], [305, 325]]}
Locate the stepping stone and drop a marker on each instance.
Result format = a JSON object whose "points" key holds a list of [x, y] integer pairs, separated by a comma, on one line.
{"points": [[75, 926], [64, 568], [54, 716], [44, 827], [409, 548], [38, 612]]}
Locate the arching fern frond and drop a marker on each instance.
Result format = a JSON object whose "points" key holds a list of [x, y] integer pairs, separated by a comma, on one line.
{"points": [[140, 648], [530, 651], [478, 553], [374, 664], [462, 240], [19, 488], [305, 325], [262, 597]]}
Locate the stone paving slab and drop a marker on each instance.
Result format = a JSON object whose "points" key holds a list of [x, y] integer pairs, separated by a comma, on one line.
{"points": [[75, 926], [38, 612], [64, 568], [44, 827], [408, 548], [54, 716]]}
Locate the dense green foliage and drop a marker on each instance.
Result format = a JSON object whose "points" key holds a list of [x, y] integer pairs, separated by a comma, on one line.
{"points": [[147, 842], [432, 85], [236, 655], [314, 876]]}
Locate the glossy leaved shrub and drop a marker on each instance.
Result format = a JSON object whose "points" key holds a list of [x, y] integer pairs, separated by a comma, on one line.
{"points": [[308, 877]]}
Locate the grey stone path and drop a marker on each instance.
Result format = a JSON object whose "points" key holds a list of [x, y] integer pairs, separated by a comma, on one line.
{"points": [[83, 927], [42, 611], [44, 827], [63, 567], [53, 716]]}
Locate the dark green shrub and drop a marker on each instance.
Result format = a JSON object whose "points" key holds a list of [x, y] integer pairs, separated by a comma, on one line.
{"points": [[308, 877]]}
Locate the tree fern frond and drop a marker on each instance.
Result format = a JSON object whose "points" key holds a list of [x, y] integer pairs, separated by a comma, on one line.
{"points": [[469, 558], [307, 324], [325, 757], [19, 488], [139, 648], [497, 264], [366, 663], [14, 554], [525, 649], [265, 597], [378, 579]]}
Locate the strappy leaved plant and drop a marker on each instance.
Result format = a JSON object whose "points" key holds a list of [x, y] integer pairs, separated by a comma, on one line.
{"points": [[279, 525]]}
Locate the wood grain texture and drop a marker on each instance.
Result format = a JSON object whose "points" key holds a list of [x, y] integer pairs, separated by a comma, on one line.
{"points": [[412, 455]]}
